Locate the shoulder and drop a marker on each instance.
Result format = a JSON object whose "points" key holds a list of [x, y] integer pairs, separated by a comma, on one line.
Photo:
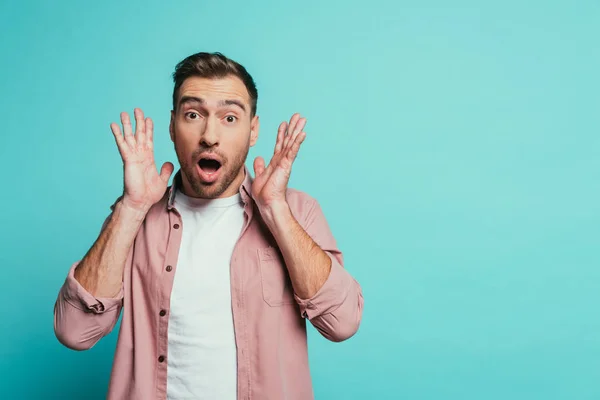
{"points": [[301, 203], [298, 197]]}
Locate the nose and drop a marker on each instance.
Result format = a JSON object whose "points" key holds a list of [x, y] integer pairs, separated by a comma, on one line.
{"points": [[210, 136]]}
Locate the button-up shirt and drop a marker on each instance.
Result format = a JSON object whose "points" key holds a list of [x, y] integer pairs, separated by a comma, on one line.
{"points": [[269, 318]]}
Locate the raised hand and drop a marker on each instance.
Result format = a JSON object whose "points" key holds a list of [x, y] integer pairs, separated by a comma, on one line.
{"points": [[270, 183], [143, 185]]}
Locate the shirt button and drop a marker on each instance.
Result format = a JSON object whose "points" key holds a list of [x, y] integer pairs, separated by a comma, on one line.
{"points": [[162, 313], [169, 268], [161, 359], [176, 226]]}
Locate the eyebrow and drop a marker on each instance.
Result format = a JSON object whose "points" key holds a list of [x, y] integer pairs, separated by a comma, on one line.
{"points": [[233, 103], [190, 99], [222, 103]]}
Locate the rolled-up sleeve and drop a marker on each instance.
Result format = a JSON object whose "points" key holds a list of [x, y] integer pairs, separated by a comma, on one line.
{"points": [[80, 319], [336, 309]]}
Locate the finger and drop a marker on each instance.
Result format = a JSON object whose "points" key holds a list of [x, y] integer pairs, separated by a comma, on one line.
{"points": [[165, 171], [301, 125], [290, 129], [126, 122], [295, 147], [140, 126], [149, 132], [280, 136], [293, 122], [121, 143], [259, 166], [299, 128]]}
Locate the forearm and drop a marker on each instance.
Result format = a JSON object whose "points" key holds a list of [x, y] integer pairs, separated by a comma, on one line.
{"points": [[326, 293], [308, 265], [100, 272]]}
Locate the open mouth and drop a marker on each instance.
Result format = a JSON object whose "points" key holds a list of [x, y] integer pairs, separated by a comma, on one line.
{"points": [[208, 165]]}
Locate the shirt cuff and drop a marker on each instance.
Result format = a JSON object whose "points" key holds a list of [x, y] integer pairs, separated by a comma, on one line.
{"points": [[78, 297], [330, 295]]}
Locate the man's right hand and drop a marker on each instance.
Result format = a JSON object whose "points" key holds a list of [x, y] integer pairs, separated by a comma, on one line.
{"points": [[144, 186]]}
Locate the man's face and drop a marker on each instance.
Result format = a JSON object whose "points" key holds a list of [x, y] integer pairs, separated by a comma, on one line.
{"points": [[212, 129]]}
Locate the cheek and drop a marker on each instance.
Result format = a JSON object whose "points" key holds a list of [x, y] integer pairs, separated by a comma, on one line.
{"points": [[238, 144], [184, 136], [183, 146]]}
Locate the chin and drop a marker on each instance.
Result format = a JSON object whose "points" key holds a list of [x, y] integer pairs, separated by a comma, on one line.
{"points": [[208, 187], [211, 190]]}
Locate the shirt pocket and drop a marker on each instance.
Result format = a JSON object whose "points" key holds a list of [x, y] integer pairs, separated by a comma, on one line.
{"points": [[276, 285]]}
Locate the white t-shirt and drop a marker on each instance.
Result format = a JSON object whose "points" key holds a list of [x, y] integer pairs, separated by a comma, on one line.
{"points": [[201, 347]]}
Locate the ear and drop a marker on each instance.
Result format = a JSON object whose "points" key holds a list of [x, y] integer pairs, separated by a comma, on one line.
{"points": [[172, 127], [254, 128]]}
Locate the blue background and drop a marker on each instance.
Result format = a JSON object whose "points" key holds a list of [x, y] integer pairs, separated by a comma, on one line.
{"points": [[454, 149]]}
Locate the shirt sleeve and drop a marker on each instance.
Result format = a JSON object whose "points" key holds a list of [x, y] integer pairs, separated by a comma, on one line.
{"points": [[336, 309], [80, 319]]}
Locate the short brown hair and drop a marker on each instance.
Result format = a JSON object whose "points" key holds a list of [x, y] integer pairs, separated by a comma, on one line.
{"points": [[212, 65]]}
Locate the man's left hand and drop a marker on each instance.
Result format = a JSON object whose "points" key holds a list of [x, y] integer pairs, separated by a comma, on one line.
{"points": [[270, 183]]}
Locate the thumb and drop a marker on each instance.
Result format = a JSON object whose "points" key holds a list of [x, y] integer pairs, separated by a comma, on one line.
{"points": [[259, 166], [166, 170]]}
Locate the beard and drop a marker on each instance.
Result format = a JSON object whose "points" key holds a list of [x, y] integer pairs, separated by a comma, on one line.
{"points": [[229, 172]]}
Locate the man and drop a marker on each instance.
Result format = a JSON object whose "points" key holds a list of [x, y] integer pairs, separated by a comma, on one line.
{"points": [[217, 273]]}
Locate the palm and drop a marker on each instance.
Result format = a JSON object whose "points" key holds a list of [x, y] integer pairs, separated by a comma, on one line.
{"points": [[144, 186], [270, 183]]}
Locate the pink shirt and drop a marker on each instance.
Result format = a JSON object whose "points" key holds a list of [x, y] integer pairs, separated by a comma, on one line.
{"points": [[269, 319]]}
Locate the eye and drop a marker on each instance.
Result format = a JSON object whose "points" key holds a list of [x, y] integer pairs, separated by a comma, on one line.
{"points": [[191, 115], [230, 119]]}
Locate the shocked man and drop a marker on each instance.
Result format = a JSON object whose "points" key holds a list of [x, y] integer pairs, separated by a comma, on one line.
{"points": [[217, 274]]}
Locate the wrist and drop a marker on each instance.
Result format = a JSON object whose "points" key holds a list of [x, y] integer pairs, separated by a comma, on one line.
{"points": [[276, 214], [130, 211]]}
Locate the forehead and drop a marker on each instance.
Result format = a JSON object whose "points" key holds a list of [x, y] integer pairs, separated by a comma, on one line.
{"points": [[215, 89]]}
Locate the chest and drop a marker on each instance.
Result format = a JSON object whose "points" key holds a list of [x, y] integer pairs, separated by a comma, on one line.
{"points": [[234, 250]]}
